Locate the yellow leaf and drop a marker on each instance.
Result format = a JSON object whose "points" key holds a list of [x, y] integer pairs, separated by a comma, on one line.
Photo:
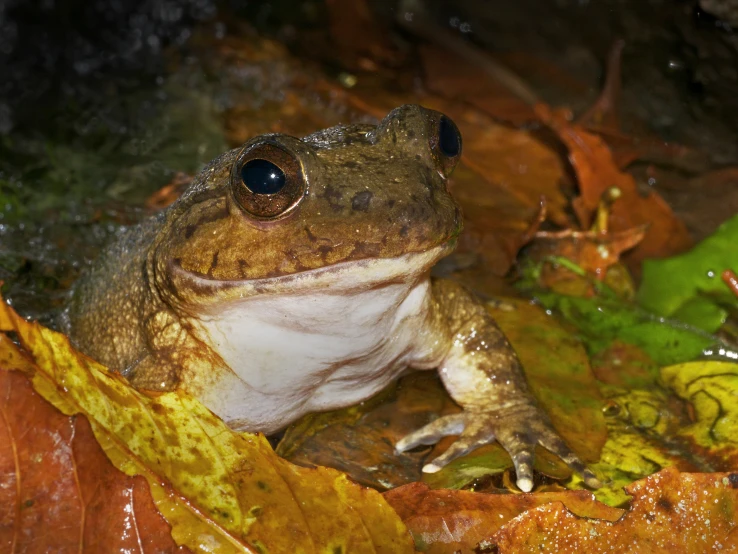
{"points": [[220, 490], [711, 387]]}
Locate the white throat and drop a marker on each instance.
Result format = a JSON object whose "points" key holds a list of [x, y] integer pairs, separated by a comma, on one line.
{"points": [[323, 345]]}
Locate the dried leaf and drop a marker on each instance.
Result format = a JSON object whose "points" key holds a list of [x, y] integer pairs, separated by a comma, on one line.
{"points": [[591, 251], [597, 172]]}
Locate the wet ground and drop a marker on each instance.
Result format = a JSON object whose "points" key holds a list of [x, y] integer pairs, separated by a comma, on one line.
{"points": [[104, 103]]}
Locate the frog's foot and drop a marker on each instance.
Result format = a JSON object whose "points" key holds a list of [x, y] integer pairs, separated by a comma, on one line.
{"points": [[517, 428]]}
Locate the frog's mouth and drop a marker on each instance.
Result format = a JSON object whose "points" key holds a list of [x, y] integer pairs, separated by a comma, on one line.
{"points": [[182, 286]]}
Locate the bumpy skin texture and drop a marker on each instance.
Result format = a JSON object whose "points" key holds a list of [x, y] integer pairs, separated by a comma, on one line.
{"points": [[268, 318]]}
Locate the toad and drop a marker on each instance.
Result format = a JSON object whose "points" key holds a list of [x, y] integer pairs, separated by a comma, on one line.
{"points": [[293, 276]]}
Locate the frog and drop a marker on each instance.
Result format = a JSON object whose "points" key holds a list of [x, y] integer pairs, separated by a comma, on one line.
{"points": [[293, 276]]}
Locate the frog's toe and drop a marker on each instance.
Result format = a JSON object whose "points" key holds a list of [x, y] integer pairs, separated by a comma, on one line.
{"points": [[521, 449], [432, 433], [463, 445], [552, 442]]}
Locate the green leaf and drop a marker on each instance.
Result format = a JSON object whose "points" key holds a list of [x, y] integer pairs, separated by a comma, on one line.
{"points": [[600, 320], [689, 286]]}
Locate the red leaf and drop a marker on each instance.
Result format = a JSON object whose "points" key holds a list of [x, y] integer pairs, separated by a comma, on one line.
{"points": [[59, 492]]}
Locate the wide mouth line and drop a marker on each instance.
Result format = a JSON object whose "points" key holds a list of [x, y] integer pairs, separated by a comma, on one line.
{"points": [[435, 253]]}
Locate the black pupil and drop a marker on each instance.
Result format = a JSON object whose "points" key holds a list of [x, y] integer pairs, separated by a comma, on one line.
{"points": [[262, 177], [448, 138]]}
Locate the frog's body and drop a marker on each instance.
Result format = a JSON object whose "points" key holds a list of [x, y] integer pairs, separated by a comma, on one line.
{"points": [[293, 276]]}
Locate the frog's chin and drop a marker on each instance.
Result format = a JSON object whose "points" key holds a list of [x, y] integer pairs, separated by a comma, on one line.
{"points": [[351, 277]]}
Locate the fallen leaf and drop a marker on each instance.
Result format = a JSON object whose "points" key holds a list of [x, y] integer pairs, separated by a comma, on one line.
{"points": [[602, 319], [689, 286], [443, 521], [58, 491], [640, 428], [670, 512], [220, 490], [597, 172], [592, 251], [711, 388], [452, 76]]}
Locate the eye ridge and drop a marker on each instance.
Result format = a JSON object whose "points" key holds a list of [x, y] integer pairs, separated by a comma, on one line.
{"points": [[262, 176]]}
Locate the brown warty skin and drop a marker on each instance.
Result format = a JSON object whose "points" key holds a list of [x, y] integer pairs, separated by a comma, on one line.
{"points": [[294, 276]]}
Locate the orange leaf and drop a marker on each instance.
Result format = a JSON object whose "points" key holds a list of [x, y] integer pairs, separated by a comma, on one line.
{"points": [[58, 490], [597, 172], [688, 513], [444, 521]]}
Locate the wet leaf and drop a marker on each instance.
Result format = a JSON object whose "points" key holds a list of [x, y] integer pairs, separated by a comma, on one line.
{"points": [[58, 491], [640, 427], [602, 319], [443, 521], [452, 76], [711, 388], [689, 287], [592, 251], [670, 512], [220, 490]]}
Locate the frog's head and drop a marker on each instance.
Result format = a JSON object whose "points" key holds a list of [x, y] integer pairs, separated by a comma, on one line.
{"points": [[281, 209]]}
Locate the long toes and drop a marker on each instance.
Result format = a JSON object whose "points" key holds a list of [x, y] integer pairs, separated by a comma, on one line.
{"points": [[558, 447], [433, 432], [521, 450], [523, 462], [462, 446]]}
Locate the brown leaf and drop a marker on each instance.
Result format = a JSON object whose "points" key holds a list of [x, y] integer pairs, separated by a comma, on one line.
{"points": [[443, 521], [688, 513], [596, 173], [58, 490], [360, 440], [450, 75], [593, 251]]}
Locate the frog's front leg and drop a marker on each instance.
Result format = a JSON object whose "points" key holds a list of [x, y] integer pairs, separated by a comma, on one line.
{"points": [[482, 373]]}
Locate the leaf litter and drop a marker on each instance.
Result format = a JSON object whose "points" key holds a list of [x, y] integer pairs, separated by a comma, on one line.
{"points": [[622, 385]]}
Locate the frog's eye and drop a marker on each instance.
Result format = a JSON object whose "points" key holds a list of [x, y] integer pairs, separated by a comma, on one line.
{"points": [[267, 181], [445, 143]]}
